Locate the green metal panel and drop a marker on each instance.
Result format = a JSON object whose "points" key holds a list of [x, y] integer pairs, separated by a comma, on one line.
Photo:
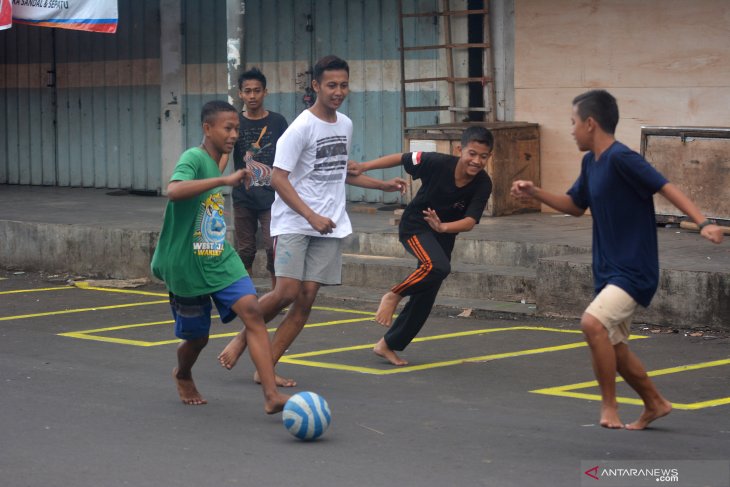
{"points": [[204, 60], [99, 126], [27, 136], [109, 103], [365, 33]]}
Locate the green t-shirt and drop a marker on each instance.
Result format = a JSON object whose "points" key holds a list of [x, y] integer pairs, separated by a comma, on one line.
{"points": [[192, 254]]}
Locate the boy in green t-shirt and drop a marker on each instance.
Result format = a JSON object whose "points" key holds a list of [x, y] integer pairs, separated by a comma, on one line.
{"points": [[197, 264]]}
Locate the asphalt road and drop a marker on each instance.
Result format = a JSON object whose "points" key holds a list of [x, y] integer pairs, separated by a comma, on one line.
{"points": [[88, 400]]}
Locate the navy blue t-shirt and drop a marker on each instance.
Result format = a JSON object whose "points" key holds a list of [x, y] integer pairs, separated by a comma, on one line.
{"points": [[619, 189]]}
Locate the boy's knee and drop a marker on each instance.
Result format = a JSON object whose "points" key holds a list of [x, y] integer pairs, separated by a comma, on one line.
{"points": [[441, 271], [591, 326], [286, 295], [198, 343]]}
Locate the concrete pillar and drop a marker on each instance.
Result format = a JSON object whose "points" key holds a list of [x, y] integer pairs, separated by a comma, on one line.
{"points": [[172, 85], [235, 11]]}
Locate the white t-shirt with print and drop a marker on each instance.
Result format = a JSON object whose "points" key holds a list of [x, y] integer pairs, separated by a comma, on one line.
{"points": [[315, 153]]}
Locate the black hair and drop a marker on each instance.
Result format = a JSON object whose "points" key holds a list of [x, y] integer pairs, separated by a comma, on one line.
{"points": [[252, 74], [329, 63], [212, 108], [477, 134], [600, 105]]}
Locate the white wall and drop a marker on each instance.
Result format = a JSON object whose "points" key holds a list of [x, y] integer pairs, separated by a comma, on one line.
{"points": [[666, 61]]}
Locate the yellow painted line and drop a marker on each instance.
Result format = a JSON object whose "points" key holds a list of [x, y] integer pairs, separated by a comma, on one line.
{"points": [[567, 390], [79, 310], [36, 290], [444, 337], [342, 310], [430, 365], [91, 334], [85, 286], [120, 327], [124, 341], [297, 358]]}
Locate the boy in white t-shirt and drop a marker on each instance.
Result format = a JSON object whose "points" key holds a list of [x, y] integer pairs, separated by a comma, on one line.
{"points": [[308, 217]]}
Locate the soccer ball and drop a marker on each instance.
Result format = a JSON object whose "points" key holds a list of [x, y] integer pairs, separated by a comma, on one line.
{"points": [[306, 415]]}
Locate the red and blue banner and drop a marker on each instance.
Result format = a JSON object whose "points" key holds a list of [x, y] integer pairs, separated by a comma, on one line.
{"points": [[89, 15], [6, 14]]}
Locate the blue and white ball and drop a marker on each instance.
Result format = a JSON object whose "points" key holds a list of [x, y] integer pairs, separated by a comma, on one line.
{"points": [[306, 415]]}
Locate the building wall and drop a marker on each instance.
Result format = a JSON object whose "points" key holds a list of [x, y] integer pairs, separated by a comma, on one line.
{"points": [[666, 61], [204, 61], [285, 38], [98, 126]]}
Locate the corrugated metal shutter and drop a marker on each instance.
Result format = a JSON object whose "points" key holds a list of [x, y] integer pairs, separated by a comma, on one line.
{"points": [[27, 111], [284, 38], [106, 110]]}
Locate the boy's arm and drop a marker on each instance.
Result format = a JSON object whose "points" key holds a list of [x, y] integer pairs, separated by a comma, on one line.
{"points": [[710, 231], [223, 162], [182, 190], [458, 226], [281, 184], [384, 162], [561, 202], [363, 181]]}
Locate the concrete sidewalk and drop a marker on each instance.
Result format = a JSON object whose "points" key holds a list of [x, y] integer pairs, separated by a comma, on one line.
{"points": [[528, 263]]}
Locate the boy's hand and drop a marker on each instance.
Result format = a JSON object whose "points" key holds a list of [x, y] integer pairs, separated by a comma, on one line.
{"points": [[395, 184], [522, 189], [321, 223], [433, 220], [713, 233], [238, 177], [247, 178], [353, 168]]}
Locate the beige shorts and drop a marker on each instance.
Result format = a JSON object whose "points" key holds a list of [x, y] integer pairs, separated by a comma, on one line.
{"points": [[614, 308]]}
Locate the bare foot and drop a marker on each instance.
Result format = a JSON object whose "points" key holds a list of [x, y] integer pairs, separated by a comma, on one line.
{"points": [[609, 418], [233, 351], [280, 381], [650, 414], [187, 391], [388, 303], [381, 349], [275, 403]]}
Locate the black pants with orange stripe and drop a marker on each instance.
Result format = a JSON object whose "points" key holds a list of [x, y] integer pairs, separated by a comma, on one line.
{"points": [[433, 251]]}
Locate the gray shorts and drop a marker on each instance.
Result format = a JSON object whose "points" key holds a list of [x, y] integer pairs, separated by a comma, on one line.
{"points": [[308, 258]]}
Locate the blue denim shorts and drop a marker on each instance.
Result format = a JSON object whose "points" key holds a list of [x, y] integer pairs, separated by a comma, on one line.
{"points": [[192, 314]]}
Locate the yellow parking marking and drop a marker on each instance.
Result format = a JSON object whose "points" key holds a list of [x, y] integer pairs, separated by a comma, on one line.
{"points": [[85, 286], [298, 358], [92, 334], [567, 391], [79, 310], [43, 289]]}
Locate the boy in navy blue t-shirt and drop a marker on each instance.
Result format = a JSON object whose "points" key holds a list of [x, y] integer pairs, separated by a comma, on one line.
{"points": [[618, 185]]}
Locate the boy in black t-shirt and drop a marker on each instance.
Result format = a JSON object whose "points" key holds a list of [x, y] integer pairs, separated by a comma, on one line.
{"points": [[255, 149], [452, 197]]}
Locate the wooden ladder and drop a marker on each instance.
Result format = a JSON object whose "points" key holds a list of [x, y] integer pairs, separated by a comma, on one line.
{"points": [[445, 15]]}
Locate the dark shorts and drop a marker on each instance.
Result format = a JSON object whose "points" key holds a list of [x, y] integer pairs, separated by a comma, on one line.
{"points": [[192, 314]]}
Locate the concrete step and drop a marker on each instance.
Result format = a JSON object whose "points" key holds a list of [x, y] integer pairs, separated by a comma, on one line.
{"points": [[684, 299], [367, 299], [472, 281], [502, 283], [469, 248]]}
